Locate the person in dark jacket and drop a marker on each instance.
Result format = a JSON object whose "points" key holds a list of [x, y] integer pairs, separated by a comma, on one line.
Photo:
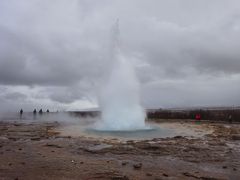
{"points": [[40, 111], [21, 113], [230, 118], [34, 114]]}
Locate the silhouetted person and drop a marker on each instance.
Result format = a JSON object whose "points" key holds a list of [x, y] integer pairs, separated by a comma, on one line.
{"points": [[34, 113], [47, 111], [230, 118], [40, 111], [21, 113]]}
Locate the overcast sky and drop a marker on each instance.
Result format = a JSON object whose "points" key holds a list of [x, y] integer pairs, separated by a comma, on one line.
{"points": [[53, 52]]}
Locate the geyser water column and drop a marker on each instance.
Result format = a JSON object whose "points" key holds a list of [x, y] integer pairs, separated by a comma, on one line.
{"points": [[119, 99]]}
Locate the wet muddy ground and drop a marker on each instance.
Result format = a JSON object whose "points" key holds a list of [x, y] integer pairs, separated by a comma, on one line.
{"points": [[39, 151]]}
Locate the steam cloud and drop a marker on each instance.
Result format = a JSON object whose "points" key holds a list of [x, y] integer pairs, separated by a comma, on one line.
{"points": [[120, 101]]}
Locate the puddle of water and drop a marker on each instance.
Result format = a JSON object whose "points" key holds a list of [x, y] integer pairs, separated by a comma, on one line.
{"points": [[160, 130]]}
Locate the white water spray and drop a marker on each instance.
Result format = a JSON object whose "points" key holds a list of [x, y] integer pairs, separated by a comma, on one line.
{"points": [[120, 101]]}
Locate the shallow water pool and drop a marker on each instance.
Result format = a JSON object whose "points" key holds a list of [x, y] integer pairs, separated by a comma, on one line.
{"points": [[154, 130]]}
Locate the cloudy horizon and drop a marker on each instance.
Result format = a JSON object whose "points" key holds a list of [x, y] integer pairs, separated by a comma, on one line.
{"points": [[53, 54]]}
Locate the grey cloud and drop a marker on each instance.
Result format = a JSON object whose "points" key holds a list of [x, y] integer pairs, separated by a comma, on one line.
{"points": [[61, 47], [15, 96]]}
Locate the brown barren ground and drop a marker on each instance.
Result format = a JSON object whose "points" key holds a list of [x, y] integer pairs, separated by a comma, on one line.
{"points": [[37, 151]]}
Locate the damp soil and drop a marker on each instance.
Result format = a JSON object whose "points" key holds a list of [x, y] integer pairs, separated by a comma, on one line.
{"points": [[40, 151]]}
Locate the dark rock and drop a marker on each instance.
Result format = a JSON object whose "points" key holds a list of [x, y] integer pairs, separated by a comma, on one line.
{"points": [[189, 175], [120, 178], [148, 174], [165, 175], [177, 137], [137, 166], [36, 139], [235, 137], [124, 163], [53, 145], [64, 137]]}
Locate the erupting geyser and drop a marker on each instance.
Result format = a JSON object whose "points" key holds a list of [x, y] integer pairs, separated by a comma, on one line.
{"points": [[119, 100]]}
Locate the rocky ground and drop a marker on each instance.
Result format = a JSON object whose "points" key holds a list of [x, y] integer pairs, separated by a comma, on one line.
{"points": [[38, 151]]}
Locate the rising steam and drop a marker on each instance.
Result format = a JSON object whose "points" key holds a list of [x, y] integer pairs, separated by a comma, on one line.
{"points": [[120, 101]]}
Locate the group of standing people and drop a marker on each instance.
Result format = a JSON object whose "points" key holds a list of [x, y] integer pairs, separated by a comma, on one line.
{"points": [[34, 111], [40, 111]]}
